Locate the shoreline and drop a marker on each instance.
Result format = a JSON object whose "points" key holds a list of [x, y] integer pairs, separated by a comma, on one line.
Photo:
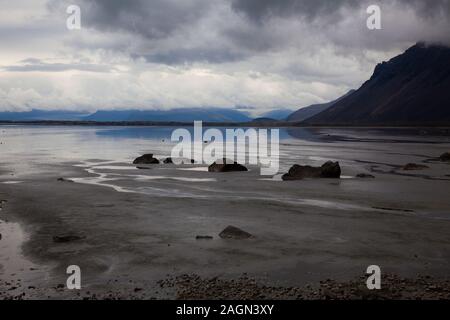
{"points": [[277, 124]]}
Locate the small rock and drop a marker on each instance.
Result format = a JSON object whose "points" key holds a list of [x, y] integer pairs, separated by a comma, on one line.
{"points": [[226, 165], [327, 170], [203, 237], [414, 166], [365, 176], [168, 160], [146, 159], [445, 156], [64, 180], [66, 238], [232, 232]]}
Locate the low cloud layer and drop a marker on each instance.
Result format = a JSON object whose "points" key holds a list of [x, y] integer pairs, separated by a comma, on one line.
{"points": [[163, 54]]}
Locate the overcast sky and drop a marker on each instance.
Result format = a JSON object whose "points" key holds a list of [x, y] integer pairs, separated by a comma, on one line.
{"points": [[160, 54]]}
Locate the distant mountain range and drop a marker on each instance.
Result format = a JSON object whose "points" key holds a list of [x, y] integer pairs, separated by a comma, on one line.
{"points": [[173, 115], [176, 115], [307, 112], [410, 89]]}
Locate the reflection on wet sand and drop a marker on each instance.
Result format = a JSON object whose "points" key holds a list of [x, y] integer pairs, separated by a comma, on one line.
{"points": [[140, 225]]}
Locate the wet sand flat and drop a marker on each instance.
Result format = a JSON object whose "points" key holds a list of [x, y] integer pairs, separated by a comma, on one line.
{"points": [[138, 227]]}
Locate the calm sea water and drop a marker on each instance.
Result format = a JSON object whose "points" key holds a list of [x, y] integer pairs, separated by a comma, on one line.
{"points": [[24, 147]]}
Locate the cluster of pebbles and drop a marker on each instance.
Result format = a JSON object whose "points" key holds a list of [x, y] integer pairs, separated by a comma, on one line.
{"points": [[393, 287], [193, 287]]}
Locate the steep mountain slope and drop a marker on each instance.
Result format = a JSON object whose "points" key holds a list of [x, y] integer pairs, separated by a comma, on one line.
{"points": [[307, 112], [410, 89], [277, 114]]}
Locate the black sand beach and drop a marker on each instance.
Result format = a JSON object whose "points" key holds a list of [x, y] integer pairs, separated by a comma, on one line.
{"points": [[134, 232]]}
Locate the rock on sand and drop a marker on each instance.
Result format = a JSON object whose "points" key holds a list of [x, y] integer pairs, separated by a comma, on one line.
{"points": [[445, 156], [146, 159], [414, 166], [365, 176], [226, 165], [327, 170], [231, 232]]}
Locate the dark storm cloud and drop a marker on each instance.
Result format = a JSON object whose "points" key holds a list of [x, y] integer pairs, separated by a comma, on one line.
{"points": [[173, 32], [255, 53], [429, 9], [181, 56], [259, 10], [152, 19]]}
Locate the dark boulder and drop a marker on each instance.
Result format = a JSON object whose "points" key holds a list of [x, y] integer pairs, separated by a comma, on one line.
{"points": [[226, 165], [146, 159], [445, 156], [331, 170], [298, 172], [231, 232], [327, 170]]}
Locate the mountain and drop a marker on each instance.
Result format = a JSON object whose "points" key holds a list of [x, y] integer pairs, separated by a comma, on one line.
{"points": [[277, 114], [410, 89], [36, 114], [307, 112], [175, 115]]}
